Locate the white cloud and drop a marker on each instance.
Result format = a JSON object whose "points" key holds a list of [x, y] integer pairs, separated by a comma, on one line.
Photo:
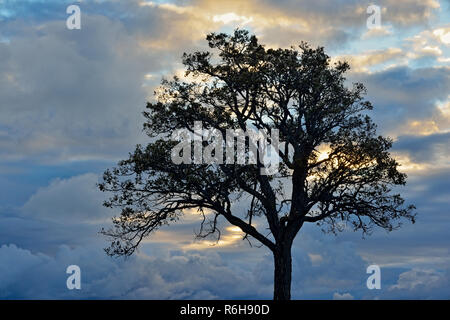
{"points": [[413, 279], [72, 200], [232, 17], [344, 296]]}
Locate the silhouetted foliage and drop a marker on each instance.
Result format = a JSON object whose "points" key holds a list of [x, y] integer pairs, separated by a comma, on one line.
{"points": [[300, 93]]}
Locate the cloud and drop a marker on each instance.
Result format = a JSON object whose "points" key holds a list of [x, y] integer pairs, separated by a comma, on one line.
{"points": [[321, 266], [414, 278], [58, 226], [430, 43], [59, 88], [63, 87], [173, 275], [76, 199], [377, 32], [187, 276], [166, 267], [409, 12], [426, 148], [400, 94], [421, 284], [362, 62], [344, 296], [66, 211], [423, 245]]}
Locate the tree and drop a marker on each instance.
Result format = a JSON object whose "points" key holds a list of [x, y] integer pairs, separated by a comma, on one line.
{"points": [[299, 93]]}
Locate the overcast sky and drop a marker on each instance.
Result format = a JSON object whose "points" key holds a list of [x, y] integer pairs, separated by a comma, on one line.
{"points": [[70, 107]]}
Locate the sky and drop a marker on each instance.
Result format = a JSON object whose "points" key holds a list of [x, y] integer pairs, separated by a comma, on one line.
{"points": [[71, 104]]}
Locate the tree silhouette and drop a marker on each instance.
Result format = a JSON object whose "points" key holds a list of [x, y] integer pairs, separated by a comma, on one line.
{"points": [[296, 91]]}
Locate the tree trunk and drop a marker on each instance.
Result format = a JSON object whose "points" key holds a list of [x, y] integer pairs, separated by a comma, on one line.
{"points": [[282, 274]]}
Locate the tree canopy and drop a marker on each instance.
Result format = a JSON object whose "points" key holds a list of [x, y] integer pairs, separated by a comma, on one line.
{"points": [[241, 84]]}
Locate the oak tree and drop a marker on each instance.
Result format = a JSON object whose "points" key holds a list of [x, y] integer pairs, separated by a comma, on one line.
{"points": [[241, 84]]}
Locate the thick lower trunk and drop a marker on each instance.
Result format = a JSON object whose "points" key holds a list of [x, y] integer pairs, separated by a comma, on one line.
{"points": [[282, 274]]}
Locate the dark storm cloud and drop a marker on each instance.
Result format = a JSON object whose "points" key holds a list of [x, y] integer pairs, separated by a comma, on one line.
{"points": [[401, 93], [60, 89], [425, 148]]}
